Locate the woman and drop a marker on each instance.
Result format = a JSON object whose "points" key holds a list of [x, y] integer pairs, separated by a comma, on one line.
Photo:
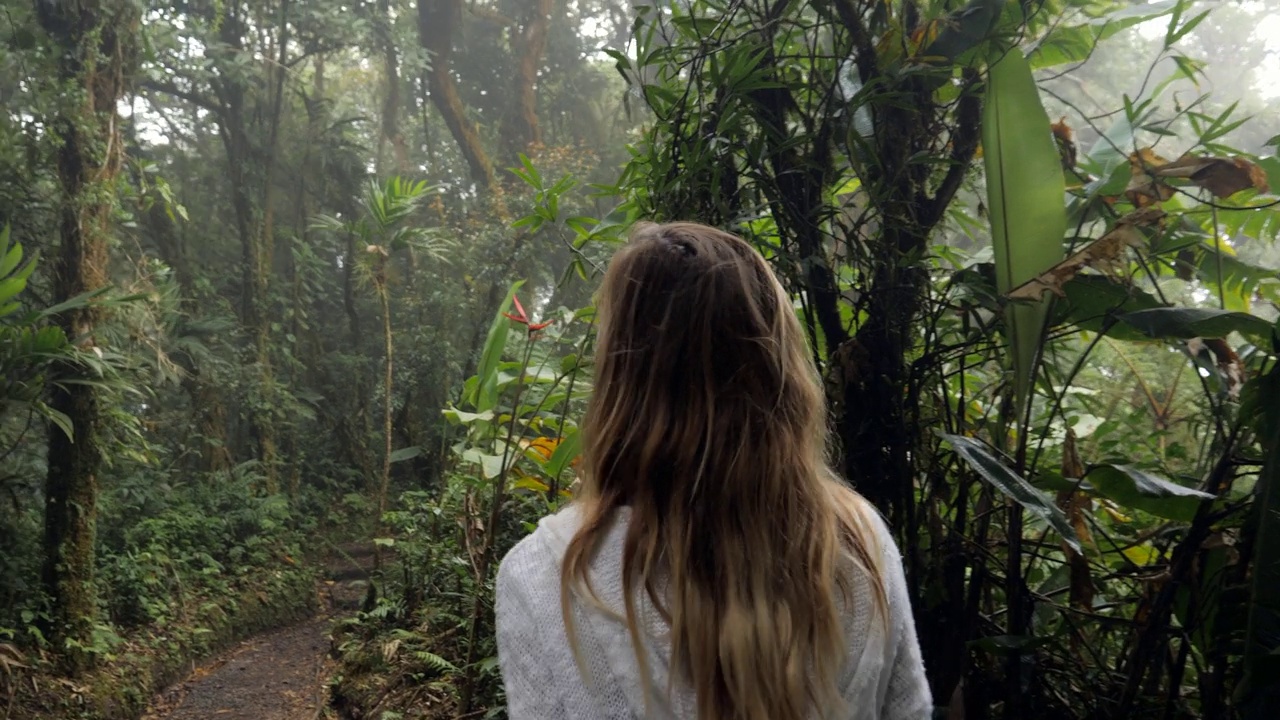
{"points": [[712, 566]]}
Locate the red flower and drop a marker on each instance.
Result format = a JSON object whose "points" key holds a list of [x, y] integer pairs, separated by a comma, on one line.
{"points": [[523, 318]]}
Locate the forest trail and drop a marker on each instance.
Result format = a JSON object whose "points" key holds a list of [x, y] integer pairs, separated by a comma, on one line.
{"points": [[279, 674]]}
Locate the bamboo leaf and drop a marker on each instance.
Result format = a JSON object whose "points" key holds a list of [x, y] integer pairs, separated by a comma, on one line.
{"points": [[1025, 194]]}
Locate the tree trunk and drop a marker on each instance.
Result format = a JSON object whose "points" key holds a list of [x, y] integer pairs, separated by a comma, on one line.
{"points": [[391, 102], [520, 128], [206, 401], [437, 24], [384, 482], [256, 235], [95, 40], [354, 425]]}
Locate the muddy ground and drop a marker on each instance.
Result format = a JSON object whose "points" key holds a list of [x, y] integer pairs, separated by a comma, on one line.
{"points": [[278, 675]]}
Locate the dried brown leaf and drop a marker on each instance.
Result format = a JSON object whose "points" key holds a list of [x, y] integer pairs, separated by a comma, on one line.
{"points": [[1229, 363], [1105, 254], [1065, 140], [1223, 177], [1143, 189], [1074, 504]]}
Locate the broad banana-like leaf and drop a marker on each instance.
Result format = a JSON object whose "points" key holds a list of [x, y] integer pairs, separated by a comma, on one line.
{"points": [[1025, 196]]}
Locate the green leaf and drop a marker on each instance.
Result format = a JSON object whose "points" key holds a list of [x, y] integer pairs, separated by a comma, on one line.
{"points": [[463, 417], [485, 394], [1140, 490], [966, 28], [11, 258], [1075, 43], [569, 448], [406, 453], [1185, 323], [490, 465], [1013, 485], [1025, 194], [1094, 302], [58, 418], [10, 287]]}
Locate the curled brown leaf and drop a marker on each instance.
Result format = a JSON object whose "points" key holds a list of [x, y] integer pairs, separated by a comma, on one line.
{"points": [[1223, 177], [1106, 254]]}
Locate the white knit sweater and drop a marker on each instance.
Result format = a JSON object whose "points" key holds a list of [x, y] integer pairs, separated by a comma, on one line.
{"points": [[883, 678]]}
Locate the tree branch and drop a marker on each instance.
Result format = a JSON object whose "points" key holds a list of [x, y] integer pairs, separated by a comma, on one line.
{"points": [[964, 144], [195, 98]]}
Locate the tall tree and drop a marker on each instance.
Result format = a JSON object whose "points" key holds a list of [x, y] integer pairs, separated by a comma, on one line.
{"points": [[438, 22], [520, 128], [96, 46], [384, 24]]}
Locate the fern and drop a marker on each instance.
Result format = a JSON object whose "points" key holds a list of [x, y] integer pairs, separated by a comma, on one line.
{"points": [[434, 661]]}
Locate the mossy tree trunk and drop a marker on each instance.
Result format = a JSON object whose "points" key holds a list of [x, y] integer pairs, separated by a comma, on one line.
{"points": [[520, 128], [255, 217], [438, 22], [207, 404], [384, 24], [95, 47]]}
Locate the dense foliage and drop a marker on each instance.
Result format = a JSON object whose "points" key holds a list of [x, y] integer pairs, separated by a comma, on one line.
{"points": [[277, 275]]}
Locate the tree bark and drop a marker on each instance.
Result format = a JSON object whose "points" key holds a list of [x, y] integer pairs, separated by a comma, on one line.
{"points": [[207, 407], [391, 132], [520, 129], [256, 233], [95, 40], [437, 24]]}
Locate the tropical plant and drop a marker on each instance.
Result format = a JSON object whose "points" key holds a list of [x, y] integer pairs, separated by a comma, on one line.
{"points": [[385, 228]]}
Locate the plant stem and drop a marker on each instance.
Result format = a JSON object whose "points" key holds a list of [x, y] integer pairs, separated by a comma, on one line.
{"points": [[467, 693], [385, 483]]}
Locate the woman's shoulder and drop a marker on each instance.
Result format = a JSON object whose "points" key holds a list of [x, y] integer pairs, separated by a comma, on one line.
{"points": [[535, 559]]}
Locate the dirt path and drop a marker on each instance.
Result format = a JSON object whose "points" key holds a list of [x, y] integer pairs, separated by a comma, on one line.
{"points": [[278, 675]]}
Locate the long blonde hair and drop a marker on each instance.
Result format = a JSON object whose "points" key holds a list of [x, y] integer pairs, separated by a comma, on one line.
{"points": [[708, 422]]}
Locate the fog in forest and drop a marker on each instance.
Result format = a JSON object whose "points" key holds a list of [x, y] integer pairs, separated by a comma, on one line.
{"points": [[297, 329]]}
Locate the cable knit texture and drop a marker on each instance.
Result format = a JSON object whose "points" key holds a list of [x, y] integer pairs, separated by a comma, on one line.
{"points": [[882, 679]]}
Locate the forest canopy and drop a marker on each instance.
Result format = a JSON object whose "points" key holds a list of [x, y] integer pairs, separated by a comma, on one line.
{"points": [[283, 281]]}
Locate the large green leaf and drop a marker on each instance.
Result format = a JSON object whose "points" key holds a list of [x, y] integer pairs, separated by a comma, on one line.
{"points": [[569, 448], [1004, 479], [1094, 303], [1140, 490], [1185, 323], [1025, 194], [490, 464], [483, 395], [13, 279]]}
